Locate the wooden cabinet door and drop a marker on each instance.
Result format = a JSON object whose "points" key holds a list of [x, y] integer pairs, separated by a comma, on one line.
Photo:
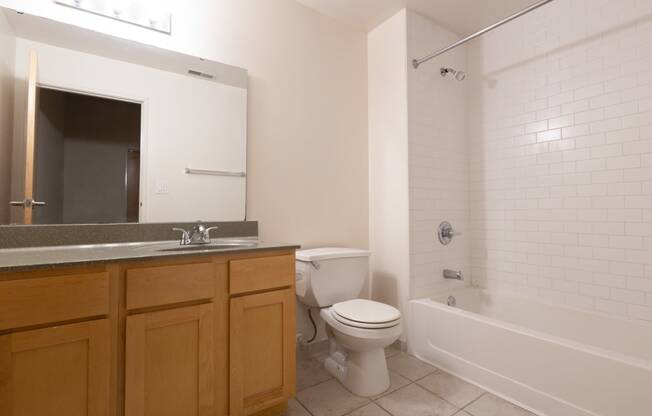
{"points": [[262, 351], [170, 367], [56, 371]]}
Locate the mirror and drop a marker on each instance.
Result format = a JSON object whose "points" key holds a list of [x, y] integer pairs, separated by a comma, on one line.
{"points": [[97, 129]]}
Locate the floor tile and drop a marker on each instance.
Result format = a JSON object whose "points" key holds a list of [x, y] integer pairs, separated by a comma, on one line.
{"points": [[295, 409], [451, 388], [330, 399], [310, 372], [415, 401], [490, 405], [320, 357], [409, 367], [396, 381], [372, 409]]}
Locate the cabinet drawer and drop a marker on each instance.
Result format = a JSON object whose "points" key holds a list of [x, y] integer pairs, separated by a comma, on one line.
{"points": [[43, 300], [164, 285], [251, 275]]}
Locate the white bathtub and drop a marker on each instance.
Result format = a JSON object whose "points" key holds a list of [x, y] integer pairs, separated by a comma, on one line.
{"points": [[553, 360]]}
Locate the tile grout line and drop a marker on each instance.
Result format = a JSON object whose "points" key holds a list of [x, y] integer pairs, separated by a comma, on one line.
{"points": [[383, 395], [315, 385], [303, 407], [474, 400], [387, 411], [296, 396], [435, 394], [416, 382], [358, 408], [439, 370], [411, 382]]}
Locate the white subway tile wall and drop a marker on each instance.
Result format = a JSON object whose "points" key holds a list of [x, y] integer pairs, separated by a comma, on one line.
{"points": [[560, 148], [438, 161]]}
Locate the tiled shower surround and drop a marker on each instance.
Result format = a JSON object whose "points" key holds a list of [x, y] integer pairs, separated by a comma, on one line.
{"points": [[438, 163], [560, 156]]}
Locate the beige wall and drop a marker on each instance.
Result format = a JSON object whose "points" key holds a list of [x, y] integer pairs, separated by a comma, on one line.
{"points": [[307, 114], [388, 162], [7, 56]]}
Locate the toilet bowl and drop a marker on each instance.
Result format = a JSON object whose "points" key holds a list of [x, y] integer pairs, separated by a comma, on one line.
{"points": [[359, 330]]}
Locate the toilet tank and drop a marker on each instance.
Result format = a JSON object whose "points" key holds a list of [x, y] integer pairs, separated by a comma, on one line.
{"points": [[326, 276]]}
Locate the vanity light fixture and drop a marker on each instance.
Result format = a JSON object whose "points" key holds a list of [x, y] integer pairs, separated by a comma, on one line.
{"points": [[136, 13]]}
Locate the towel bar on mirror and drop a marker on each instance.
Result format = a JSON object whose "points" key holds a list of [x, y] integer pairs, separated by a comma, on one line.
{"points": [[215, 172]]}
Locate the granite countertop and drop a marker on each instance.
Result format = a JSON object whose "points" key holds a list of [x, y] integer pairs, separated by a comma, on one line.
{"points": [[22, 259]]}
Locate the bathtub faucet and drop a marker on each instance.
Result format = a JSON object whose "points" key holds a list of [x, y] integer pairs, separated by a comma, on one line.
{"points": [[452, 274]]}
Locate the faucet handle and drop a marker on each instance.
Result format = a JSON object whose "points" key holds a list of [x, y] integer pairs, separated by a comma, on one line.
{"points": [[185, 236], [445, 233], [207, 233]]}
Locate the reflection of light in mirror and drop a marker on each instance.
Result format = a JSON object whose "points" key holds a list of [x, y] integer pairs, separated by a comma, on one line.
{"points": [[151, 14]]}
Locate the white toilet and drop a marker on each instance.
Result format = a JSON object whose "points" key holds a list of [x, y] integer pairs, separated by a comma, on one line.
{"points": [[358, 329]]}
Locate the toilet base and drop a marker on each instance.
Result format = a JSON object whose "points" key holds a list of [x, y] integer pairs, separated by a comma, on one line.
{"points": [[362, 373]]}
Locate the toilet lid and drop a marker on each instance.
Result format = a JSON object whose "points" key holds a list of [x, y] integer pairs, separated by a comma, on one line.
{"points": [[364, 311]]}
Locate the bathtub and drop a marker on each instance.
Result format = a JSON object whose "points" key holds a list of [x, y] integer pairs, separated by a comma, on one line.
{"points": [[552, 360]]}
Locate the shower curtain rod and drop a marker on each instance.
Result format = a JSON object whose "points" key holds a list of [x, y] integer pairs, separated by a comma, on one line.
{"points": [[417, 62]]}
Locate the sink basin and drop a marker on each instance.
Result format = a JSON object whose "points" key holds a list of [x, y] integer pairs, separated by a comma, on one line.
{"points": [[210, 247]]}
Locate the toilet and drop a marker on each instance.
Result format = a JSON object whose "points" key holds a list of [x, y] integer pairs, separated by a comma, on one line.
{"points": [[359, 330]]}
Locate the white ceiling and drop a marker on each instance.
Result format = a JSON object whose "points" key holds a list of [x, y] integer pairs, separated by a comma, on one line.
{"points": [[460, 16]]}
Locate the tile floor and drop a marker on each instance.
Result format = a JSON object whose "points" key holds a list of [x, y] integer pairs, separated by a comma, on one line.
{"points": [[417, 389]]}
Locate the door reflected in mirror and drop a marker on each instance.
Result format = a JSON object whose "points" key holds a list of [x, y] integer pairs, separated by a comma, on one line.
{"points": [[87, 164]]}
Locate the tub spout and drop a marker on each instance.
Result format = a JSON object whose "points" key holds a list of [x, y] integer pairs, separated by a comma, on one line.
{"points": [[454, 275]]}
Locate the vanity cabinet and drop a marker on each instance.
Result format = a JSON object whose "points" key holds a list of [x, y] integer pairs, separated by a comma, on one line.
{"points": [[170, 353], [262, 332], [170, 362], [205, 335], [262, 355], [60, 370]]}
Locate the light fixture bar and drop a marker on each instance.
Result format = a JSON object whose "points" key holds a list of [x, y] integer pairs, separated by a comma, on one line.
{"points": [[160, 22]]}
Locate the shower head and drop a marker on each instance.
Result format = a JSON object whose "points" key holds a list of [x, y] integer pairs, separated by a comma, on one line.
{"points": [[459, 75]]}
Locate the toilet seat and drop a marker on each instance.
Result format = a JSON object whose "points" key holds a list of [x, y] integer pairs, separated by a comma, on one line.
{"points": [[367, 314]]}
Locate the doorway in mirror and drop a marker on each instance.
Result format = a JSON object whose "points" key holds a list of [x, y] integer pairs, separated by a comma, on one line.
{"points": [[87, 159]]}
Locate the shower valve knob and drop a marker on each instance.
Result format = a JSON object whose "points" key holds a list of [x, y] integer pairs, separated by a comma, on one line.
{"points": [[445, 233]]}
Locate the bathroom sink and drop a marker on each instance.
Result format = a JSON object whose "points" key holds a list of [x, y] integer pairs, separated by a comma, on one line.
{"points": [[210, 247]]}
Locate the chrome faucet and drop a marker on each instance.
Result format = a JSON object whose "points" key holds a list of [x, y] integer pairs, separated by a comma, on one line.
{"points": [[445, 233], [198, 234]]}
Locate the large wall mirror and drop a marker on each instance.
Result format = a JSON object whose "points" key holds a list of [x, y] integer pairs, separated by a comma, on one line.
{"points": [[96, 129]]}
